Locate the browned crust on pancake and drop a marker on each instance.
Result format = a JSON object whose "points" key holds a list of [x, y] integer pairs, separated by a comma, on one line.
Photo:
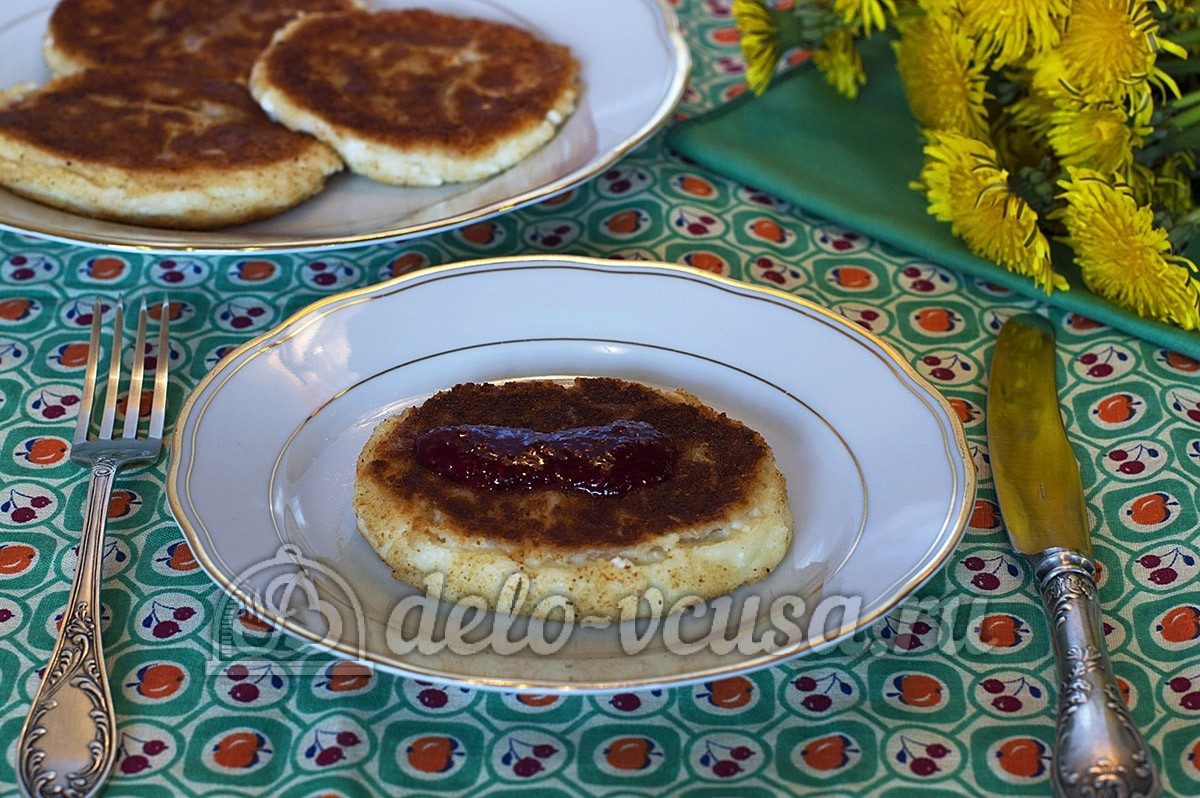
{"points": [[716, 472], [417, 78], [154, 121], [219, 37]]}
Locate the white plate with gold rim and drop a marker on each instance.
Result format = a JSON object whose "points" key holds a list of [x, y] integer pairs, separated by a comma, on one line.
{"points": [[880, 481], [634, 65]]}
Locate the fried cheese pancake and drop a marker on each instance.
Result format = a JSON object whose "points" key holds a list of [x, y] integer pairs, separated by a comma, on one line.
{"points": [[153, 147], [414, 97], [219, 37], [719, 521]]}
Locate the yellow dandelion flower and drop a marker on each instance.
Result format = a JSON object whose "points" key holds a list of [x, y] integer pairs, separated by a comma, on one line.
{"points": [[1106, 54], [840, 63], [1140, 104], [760, 42], [944, 85], [940, 6], [1123, 256], [1173, 183], [1099, 137], [1015, 144], [966, 187], [1033, 112], [1006, 29], [1142, 183], [865, 15], [1167, 188]]}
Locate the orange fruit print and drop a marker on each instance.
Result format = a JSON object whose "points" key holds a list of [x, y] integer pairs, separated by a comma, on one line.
{"points": [[46, 451], [985, 515], [1001, 631], [1023, 757], [161, 680], [73, 355], [852, 277], [917, 690], [432, 754], [1151, 509], [1180, 624], [629, 753], [181, 557], [14, 309], [239, 750], [1115, 409], [731, 693], [624, 222], [696, 186], [344, 676], [106, 268], [828, 753], [16, 557], [936, 320]]}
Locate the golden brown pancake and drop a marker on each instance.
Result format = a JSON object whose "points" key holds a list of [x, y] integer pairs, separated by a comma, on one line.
{"points": [[415, 97], [219, 37], [719, 521], [155, 147]]}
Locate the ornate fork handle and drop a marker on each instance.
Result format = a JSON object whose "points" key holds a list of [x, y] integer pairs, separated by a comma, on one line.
{"points": [[1098, 751], [68, 743]]}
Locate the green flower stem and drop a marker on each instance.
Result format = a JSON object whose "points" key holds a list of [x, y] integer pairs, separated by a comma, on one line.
{"points": [[1185, 101], [1189, 116], [1183, 230], [1186, 38], [791, 30], [804, 25], [1178, 131], [1179, 67]]}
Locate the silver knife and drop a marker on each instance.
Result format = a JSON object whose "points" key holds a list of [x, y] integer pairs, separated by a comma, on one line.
{"points": [[1098, 749]]}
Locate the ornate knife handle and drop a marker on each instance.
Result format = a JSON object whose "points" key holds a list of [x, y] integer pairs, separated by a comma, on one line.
{"points": [[1098, 750], [68, 743]]}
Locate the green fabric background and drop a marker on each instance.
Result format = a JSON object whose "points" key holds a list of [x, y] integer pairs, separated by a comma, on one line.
{"points": [[852, 162]]}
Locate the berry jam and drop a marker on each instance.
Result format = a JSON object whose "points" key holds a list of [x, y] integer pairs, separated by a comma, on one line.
{"points": [[608, 460]]}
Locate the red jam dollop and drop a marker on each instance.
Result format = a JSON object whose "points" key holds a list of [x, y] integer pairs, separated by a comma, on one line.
{"points": [[607, 460]]}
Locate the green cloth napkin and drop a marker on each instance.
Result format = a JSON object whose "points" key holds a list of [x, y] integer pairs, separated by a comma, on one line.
{"points": [[852, 161]]}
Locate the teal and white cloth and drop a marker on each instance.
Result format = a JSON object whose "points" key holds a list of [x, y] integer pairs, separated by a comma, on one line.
{"points": [[952, 694]]}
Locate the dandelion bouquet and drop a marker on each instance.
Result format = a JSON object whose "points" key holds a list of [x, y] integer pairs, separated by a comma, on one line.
{"points": [[1067, 120]]}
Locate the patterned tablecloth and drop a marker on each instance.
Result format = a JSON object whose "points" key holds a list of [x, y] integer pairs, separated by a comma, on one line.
{"points": [[957, 698]]}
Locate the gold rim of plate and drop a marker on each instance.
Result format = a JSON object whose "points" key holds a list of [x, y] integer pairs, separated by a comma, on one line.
{"points": [[950, 535]]}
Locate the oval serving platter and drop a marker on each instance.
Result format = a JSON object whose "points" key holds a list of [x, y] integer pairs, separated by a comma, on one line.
{"points": [[623, 101]]}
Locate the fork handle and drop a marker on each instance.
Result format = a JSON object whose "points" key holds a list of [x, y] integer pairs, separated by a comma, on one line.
{"points": [[68, 742]]}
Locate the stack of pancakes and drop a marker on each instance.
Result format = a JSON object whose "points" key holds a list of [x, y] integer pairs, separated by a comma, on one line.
{"points": [[148, 118]]}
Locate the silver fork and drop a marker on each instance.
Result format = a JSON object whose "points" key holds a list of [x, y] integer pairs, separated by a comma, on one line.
{"points": [[69, 741]]}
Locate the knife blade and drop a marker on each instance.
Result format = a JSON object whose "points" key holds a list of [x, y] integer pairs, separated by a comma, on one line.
{"points": [[1037, 479], [1098, 749]]}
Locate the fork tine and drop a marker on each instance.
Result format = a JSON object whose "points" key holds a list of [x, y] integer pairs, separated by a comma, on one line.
{"points": [[158, 409], [114, 374], [133, 402], [84, 420]]}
